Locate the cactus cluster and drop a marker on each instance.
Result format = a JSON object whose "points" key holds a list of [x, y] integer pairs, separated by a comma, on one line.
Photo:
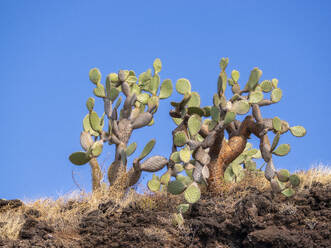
{"points": [[142, 95], [199, 144]]}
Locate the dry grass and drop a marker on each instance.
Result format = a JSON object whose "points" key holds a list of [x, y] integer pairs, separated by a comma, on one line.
{"points": [[64, 214]]}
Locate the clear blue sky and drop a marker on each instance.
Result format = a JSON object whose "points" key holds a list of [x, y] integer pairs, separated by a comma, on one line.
{"points": [[48, 47]]}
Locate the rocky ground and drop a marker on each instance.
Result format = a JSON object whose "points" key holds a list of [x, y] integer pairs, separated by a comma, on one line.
{"points": [[254, 219]]}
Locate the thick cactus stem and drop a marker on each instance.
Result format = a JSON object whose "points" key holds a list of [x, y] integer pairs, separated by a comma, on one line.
{"points": [[96, 174]]}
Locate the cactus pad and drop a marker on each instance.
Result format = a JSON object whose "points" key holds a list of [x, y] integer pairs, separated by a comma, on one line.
{"points": [[283, 175], [277, 124], [288, 192], [266, 86], [240, 107], [97, 148], [90, 104], [183, 86], [86, 140], [165, 89], [180, 138], [235, 75], [95, 122], [255, 97], [192, 193], [282, 150], [131, 148], [182, 208], [294, 180], [99, 90], [157, 65], [154, 164], [147, 149], [276, 95], [194, 100], [154, 184], [185, 155], [95, 75], [176, 187], [194, 124], [229, 117], [79, 158], [298, 131]]}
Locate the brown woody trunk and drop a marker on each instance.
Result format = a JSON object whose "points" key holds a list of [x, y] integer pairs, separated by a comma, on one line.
{"points": [[227, 152], [96, 174]]}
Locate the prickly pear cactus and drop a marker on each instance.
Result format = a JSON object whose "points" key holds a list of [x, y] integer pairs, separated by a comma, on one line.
{"points": [[138, 97]]}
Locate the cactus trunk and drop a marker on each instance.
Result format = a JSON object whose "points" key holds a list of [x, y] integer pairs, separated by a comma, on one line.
{"points": [[96, 174]]}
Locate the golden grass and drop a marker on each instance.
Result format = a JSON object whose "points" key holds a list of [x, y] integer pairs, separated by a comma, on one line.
{"points": [[64, 214]]}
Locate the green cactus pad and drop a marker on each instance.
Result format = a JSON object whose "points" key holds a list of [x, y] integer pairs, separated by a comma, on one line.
{"points": [[154, 84], [251, 153], [236, 168], [99, 91], [154, 185], [192, 193], [283, 175], [229, 176], [131, 80], [235, 75], [79, 158], [277, 124], [90, 104], [176, 187], [194, 124], [113, 94], [276, 95], [195, 110], [135, 89], [215, 113], [147, 149], [182, 208], [165, 89], [180, 138], [177, 121], [95, 122], [179, 167], [165, 178], [131, 149], [274, 82], [113, 77], [97, 148], [275, 142], [175, 157], [157, 65], [229, 117], [177, 219], [255, 97], [185, 155], [194, 100], [254, 78], [143, 98], [231, 82], [224, 63], [282, 150], [87, 127], [288, 192], [241, 107], [298, 131], [95, 75], [183, 86], [294, 180], [266, 86]]}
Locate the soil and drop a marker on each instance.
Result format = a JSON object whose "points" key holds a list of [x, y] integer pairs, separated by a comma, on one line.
{"points": [[254, 219]]}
